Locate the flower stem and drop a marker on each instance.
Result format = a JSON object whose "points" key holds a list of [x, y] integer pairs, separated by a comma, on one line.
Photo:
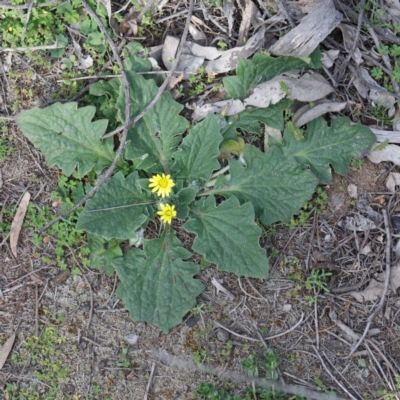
{"points": [[221, 171]]}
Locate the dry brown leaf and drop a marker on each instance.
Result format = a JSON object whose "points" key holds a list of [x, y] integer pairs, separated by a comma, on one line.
{"points": [[390, 153], [309, 87], [18, 221], [6, 349], [392, 181], [176, 78], [228, 61], [247, 16], [231, 107], [375, 288], [307, 113], [197, 34]]}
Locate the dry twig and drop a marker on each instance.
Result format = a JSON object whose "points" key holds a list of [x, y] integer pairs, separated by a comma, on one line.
{"points": [[385, 289], [239, 378]]}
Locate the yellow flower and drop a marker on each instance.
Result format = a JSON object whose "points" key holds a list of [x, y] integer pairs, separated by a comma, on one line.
{"points": [[162, 184], [167, 213], [10, 29]]}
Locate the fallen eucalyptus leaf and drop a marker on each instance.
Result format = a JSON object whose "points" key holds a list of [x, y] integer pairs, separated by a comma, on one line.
{"points": [[390, 153], [375, 288], [230, 107], [392, 181], [6, 349], [228, 61], [209, 53], [309, 87], [18, 220], [307, 113], [329, 57]]}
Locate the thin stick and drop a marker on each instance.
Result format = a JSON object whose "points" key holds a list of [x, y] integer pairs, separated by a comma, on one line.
{"points": [[385, 289], [165, 83], [333, 376], [25, 6], [147, 7], [28, 16], [33, 48], [241, 379], [153, 368], [234, 333], [339, 74]]}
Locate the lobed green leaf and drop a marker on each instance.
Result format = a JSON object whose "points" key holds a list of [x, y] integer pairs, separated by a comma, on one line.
{"points": [[196, 157], [68, 138], [155, 137], [276, 184], [249, 120], [157, 286], [228, 236], [324, 146], [117, 209]]}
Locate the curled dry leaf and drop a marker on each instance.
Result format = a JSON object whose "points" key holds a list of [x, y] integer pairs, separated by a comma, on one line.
{"points": [[6, 349], [359, 223], [309, 87], [375, 288], [228, 60], [307, 113], [197, 34], [329, 57], [18, 221], [392, 181], [390, 153], [230, 107]]}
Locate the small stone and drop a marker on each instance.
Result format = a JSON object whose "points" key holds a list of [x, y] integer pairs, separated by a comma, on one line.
{"points": [[352, 190], [222, 335], [287, 307], [131, 339]]}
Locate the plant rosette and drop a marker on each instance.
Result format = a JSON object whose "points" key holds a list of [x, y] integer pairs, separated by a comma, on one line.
{"points": [[177, 175]]}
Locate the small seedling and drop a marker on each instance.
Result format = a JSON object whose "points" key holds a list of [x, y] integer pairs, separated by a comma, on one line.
{"points": [[317, 280]]}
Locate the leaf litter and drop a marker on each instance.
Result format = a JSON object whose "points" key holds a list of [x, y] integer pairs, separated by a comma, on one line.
{"points": [[240, 319]]}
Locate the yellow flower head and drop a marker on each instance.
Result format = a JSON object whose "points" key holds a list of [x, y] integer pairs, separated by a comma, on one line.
{"points": [[162, 184], [10, 29], [167, 213]]}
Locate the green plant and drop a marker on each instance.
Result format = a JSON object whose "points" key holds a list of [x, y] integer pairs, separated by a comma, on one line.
{"points": [[222, 45], [47, 358], [218, 205], [357, 163], [5, 147], [377, 73], [317, 279]]}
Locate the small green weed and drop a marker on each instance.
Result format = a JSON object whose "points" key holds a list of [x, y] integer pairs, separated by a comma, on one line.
{"points": [[357, 163], [5, 147], [266, 367], [319, 201], [47, 356], [199, 80], [317, 280]]}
